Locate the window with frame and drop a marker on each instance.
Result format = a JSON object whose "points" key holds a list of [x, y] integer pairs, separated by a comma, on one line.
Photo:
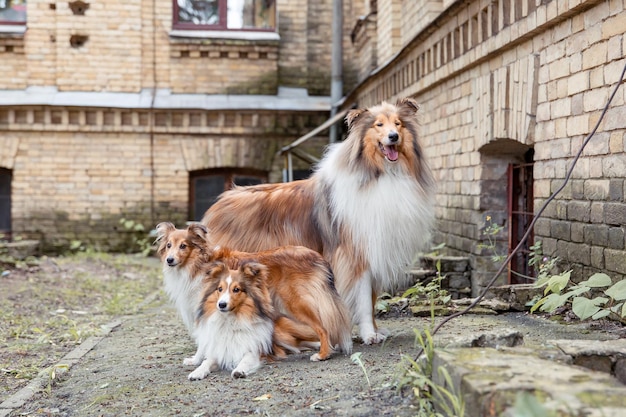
{"points": [[12, 12], [258, 15]]}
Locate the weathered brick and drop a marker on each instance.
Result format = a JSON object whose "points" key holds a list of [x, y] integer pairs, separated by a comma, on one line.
{"points": [[560, 230], [615, 260], [596, 234], [579, 211], [595, 55], [615, 214], [596, 189], [616, 190], [597, 257], [577, 232], [616, 238]]}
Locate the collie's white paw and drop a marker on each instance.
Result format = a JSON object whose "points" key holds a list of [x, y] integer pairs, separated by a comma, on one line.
{"points": [[374, 338], [191, 361], [316, 357]]}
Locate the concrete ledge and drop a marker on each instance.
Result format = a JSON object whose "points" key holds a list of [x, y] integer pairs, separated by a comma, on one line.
{"points": [[489, 380]]}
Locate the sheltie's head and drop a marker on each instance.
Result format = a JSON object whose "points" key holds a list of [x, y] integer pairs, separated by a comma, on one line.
{"points": [[178, 247], [384, 138], [242, 292]]}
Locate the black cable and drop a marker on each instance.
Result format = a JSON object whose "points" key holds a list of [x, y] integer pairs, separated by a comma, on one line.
{"points": [[536, 216]]}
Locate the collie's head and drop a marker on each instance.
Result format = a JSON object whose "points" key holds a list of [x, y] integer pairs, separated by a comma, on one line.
{"points": [[384, 139], [242, 292], [177, 247]]}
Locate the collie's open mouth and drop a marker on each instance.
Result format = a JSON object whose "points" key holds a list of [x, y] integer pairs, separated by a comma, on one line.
{"points": [[390, 152]]}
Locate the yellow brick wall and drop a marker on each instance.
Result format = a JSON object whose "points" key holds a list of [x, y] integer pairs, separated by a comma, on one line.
{"points": [[129, 45]]}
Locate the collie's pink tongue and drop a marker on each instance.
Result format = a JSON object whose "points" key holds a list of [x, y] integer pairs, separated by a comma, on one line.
{"points": [[391, 152]]}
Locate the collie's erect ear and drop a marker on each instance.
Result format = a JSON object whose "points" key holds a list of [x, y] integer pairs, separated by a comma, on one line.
{"points": [[162, 229], [353, 116], [253, 270], [409, 104]]}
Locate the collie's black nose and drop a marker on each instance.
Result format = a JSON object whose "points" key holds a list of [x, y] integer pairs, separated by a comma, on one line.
{"points": [[170, 260], [393, 137], [222, 305]]}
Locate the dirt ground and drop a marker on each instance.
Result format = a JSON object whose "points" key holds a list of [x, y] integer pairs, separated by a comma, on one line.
{"points": [[137, 368]]}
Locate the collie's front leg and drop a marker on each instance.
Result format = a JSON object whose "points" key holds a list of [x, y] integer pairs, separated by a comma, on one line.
{"points": [[249, 364], [361, 300]]}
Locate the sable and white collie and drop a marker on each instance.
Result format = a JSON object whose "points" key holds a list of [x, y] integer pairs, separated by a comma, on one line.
{"points": [[299, 280], [368, 208], [238, 325]]}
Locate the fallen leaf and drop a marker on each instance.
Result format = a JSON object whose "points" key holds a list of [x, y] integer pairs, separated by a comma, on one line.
{"points": [[263, 397]]}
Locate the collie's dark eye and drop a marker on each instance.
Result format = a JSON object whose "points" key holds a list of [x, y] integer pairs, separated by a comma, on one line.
{"points": [[398, 123], [379, 124], [236, 290], [182, 246], [169, 245], [219, 289]]}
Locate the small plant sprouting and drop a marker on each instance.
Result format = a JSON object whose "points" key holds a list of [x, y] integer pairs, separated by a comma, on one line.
{"points": [[356, 358], [418, 374], [491, 231], [52, 375]]}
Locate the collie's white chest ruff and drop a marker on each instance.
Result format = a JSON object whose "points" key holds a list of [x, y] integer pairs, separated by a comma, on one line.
{"points": [[389, 219]]}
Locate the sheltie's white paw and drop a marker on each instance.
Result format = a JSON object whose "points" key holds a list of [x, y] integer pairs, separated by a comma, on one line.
{"points": [[191, 361]]}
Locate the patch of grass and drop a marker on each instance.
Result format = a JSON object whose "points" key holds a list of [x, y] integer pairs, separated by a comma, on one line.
{"points": [[48, 309]]}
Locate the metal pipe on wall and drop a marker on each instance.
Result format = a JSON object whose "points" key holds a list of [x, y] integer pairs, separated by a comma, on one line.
{"points": [[336, 84]]}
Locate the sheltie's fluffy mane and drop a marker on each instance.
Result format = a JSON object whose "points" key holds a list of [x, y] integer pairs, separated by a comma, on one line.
{"points": [[235, 320], [368, 208]]}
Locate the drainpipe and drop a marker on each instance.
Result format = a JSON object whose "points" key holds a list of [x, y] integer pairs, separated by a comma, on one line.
{"points": [[336, 83]]}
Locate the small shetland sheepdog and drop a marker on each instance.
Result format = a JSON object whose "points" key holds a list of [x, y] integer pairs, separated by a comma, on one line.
{"points": [[299, 280], [368, 209], [237, 324]]}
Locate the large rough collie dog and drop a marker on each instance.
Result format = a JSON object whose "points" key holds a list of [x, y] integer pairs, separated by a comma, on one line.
{"points": [[237, 323], [300, 283], [368, 208]]}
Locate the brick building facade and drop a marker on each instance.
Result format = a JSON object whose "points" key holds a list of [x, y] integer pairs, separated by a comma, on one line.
{"points": [[110, 110], [509, 90]]}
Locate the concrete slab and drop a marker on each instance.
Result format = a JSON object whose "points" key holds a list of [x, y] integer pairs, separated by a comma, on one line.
{"points": [[490, 379]]}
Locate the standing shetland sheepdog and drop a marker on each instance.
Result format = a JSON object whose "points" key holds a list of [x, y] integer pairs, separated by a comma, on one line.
{"points": [[368, 208], [300, 282], [237, 323]]}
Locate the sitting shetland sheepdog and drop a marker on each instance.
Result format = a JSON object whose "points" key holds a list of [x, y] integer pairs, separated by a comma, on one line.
{"points": [[237, 323], [299, 280], [368, 209]]}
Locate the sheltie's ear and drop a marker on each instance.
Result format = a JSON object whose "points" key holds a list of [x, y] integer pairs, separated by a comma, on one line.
{"points": [[163, 229], [253, 270], [214, 271], [408, 104], [353, 116], [196, 233]]}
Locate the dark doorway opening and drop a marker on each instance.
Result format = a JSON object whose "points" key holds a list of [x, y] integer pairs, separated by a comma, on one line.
{"points": [[520, 207]]}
